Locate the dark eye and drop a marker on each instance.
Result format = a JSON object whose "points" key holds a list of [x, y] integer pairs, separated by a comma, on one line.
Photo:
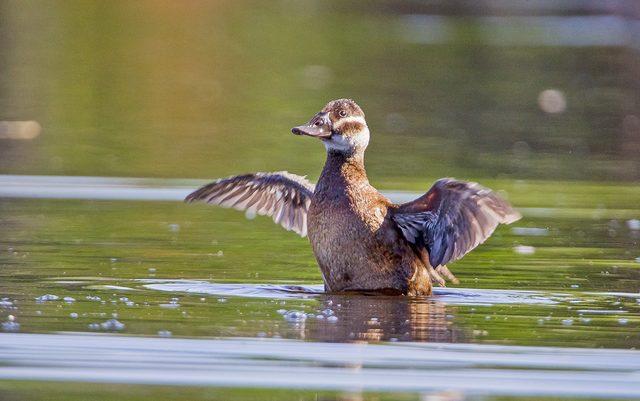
{"points": [[342, 113], [318, 123]]}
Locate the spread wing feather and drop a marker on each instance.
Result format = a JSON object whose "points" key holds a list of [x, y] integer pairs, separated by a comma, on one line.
{"points": [[283, 196], [452, 218]]}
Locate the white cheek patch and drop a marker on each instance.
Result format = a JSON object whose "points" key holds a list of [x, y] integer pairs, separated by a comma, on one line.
{"points": [[352, 119], [343, 143]]}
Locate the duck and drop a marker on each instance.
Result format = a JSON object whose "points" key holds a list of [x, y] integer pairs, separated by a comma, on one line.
{"points": [[361, 240]]}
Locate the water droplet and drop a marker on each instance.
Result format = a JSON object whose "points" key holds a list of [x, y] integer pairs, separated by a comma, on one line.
{"points": [[47, 297], [633, 224], [294, 316], [112, 324], [5, 303], [10, 326], [524, 249]]}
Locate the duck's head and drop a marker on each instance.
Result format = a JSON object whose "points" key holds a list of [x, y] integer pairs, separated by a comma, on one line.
{"points": [[340, 125]]}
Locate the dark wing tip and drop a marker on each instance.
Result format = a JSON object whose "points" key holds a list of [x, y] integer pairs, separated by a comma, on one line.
{"points": [[198, 193], [189, 198], [506, 213]]}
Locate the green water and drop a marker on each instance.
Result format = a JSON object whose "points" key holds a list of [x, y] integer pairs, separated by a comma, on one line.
{"points": [[14, 391], [75, 248]]}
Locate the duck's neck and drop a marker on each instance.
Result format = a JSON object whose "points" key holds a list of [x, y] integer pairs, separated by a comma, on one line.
{"points": [[342, 170]]}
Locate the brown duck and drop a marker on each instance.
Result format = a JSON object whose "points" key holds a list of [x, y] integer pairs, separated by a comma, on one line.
{"points": [[361, 240]]}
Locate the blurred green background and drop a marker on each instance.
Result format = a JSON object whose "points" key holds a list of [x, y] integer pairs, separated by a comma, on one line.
{"points": [[207, 89]]}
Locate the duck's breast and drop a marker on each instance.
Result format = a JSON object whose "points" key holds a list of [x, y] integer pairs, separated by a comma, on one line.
{"points": [[354, 244]]}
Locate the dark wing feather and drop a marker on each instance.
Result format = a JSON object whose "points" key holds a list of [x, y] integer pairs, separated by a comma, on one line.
{"points": [[283, 196], [452, 218]]}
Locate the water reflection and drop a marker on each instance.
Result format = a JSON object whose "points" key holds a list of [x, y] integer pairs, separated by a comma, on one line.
{"points": [[374, 318]]}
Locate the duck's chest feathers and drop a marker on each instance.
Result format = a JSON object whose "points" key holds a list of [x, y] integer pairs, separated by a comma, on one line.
{"points": [[344, 197], [344, 228], [349, 208], [354, 242]]}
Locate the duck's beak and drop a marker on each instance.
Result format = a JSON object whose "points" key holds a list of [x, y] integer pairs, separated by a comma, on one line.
{"points": [[318, 127], [311, 130]]}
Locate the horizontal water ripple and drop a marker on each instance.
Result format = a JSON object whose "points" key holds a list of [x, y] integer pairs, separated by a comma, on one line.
{"points": [[454, 296], [241, 362]]}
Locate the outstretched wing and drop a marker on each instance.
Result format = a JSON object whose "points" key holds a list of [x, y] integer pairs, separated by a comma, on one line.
{"points": [[283, 196], [452, 218]]}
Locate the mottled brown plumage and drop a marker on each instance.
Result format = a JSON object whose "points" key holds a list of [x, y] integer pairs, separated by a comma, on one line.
{"points": [[361, 240]]}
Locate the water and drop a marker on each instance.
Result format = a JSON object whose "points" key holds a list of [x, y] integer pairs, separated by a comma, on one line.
{"points": [[113, 289], [201, 272], [410, 367]]}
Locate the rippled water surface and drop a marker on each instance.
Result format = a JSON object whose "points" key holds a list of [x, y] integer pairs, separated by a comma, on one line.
{"points": [[562, 277]]}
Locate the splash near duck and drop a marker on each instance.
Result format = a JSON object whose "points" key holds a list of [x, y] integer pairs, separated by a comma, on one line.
{"points": [[362, 241]]}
